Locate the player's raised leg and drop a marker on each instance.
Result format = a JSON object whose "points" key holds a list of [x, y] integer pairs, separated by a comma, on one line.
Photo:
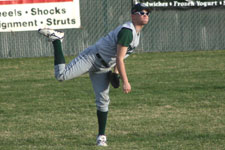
{"points": [[78, 66], [56, 38]]}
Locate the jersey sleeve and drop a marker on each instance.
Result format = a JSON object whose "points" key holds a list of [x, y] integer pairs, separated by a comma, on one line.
{"points": [[125, 37]]}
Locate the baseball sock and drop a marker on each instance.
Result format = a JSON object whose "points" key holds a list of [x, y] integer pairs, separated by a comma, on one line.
{"points": [[102, 118], [58, 54]]}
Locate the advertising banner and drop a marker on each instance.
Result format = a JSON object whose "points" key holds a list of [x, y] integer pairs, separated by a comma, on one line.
{"points": [[183, 4], [28, 15]]}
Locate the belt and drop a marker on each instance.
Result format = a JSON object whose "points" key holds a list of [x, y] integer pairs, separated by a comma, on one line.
{"points": [[102, 61]]}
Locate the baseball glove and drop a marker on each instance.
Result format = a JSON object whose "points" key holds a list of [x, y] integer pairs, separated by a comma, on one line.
{"points": [[114, 79]]}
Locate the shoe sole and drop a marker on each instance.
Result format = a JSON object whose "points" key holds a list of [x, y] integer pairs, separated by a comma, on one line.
{"points": [[53, 34]]}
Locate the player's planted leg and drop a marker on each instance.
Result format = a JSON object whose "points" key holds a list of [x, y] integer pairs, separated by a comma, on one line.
{"points": [[102, 119]]}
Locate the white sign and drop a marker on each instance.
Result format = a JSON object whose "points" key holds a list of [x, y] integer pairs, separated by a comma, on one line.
{"points": [[16, 15]]}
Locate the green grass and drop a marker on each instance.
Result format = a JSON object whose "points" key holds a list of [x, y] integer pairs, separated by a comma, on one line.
{"points": [[177, 103]]}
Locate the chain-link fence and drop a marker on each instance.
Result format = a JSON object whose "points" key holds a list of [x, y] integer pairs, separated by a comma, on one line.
{"points": [[194, 29], [169, 30]]}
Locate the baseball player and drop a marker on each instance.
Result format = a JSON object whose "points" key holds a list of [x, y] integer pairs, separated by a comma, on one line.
{"points": [[98, 60]]}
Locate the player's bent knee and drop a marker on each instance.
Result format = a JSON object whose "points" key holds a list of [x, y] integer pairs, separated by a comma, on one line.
{"points": [[59, 69], [103, 109], [59, 77], [102, 104]]}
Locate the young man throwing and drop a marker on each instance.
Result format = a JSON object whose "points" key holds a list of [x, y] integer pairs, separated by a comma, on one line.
{"points": [[98, 60]]}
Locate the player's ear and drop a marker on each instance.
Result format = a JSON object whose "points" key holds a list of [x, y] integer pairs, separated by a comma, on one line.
{"points": [[132, 16]]}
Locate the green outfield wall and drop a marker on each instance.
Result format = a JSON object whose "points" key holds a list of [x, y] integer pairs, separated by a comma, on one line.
{"points": [[168, 30]]}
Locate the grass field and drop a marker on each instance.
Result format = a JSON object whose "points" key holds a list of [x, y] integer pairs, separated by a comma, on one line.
{"points": [[177, 103]]}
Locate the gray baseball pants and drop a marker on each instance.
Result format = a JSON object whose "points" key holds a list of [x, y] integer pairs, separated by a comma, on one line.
{"points": [[85, 62]]}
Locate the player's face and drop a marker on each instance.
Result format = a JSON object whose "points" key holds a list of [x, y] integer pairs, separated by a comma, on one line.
{"points": [[141, 18]]}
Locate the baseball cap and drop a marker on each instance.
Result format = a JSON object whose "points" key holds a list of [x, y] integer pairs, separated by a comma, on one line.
{"points": [[139, 7]]}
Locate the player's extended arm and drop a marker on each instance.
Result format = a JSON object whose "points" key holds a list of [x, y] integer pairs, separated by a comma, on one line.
{"points": [[121, 52]]}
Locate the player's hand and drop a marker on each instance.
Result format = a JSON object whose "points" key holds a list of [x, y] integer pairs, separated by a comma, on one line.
{"points": [[126, 87]]}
